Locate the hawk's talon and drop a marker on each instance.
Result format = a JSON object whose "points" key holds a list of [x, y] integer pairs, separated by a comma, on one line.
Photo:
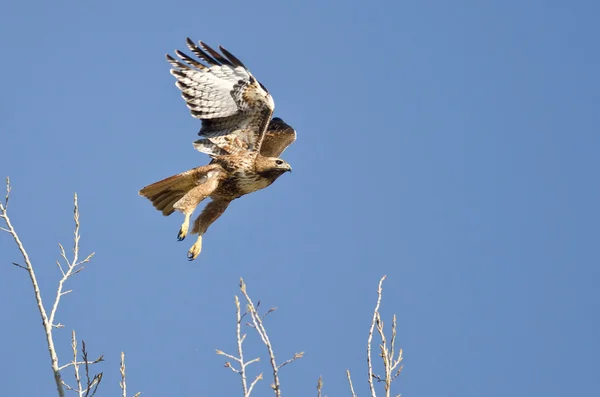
{"points": [[183, 230], [195, 249]]}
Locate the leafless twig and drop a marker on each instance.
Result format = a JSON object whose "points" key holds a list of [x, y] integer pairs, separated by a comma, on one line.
{"points": [[123, 382], [370, 339], [257, 324], [240, 359], [91, 384], [69, 269], [387, 351], [350, 383], [75, 365], [46, 323], [319, 386]]}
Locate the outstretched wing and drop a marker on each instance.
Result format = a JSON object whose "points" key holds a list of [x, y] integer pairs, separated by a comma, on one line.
{"points": [[278, 137], [234, 107]]}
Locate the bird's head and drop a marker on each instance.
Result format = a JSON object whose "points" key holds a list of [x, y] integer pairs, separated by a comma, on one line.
{"points": [[273, 166]]}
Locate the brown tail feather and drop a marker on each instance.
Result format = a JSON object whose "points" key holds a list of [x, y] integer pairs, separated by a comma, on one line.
{"points": [[167, 201], [164, 194]]}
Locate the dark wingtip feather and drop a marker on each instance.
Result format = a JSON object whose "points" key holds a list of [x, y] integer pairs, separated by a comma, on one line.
{"points": [[216, 55], [176, 64], [201, 54], [232, 58], [190, 61]]}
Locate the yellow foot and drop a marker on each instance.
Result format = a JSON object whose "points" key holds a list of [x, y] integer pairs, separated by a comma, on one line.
{"points": [[195, 249], [183, 231]]}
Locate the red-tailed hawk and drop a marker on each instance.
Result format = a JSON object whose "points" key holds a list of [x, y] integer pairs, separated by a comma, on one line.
{"points": [[237, 133]]}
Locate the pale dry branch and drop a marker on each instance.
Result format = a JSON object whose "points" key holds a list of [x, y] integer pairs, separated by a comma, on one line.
{"points": [[7, 196], [240, 359], [296, 356], [258, 377], [71, 267], [91, 384], [123, 382], [46, 323], [96, 361], [260, 329], [319, 386], [350, 383], [257, 324], [387, 354], [391, 362], [222, 353], [75, 365], [370, 339]]}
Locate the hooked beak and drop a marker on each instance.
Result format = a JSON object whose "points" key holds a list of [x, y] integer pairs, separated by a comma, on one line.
{"points": [[289, 168]]}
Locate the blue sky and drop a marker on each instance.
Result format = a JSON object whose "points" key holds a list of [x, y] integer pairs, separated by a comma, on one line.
{"points": [[450, 145]]}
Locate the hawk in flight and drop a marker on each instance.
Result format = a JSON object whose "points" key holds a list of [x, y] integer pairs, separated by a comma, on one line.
{"points": [[237, 132]]}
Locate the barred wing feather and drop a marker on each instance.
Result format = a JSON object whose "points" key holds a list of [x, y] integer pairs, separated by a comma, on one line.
{"points": [[234, 107]]}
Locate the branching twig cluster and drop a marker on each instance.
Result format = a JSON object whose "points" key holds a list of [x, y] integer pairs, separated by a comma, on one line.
{"points": [[91, 384], [391, 362], [257, 324], [84, 387]]}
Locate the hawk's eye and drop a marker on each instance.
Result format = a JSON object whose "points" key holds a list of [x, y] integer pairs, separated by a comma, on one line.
{"points": [[278, 162]]}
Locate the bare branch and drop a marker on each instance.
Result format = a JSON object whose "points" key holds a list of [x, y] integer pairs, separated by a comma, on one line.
{"points": [[370, 339], [60, 268], [319, 386], [260, 329], [96, 361], [91, 384], [350, 382], [17, 265], [72, 265], [271, 310], [74, 363], [222, 353], [231, 367], [296, 356], [7, 196], [257, 324], [240, 360], [36, 290], [123, 382], [258, 377], [255, 360], [48, 321], [391, 361]]}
